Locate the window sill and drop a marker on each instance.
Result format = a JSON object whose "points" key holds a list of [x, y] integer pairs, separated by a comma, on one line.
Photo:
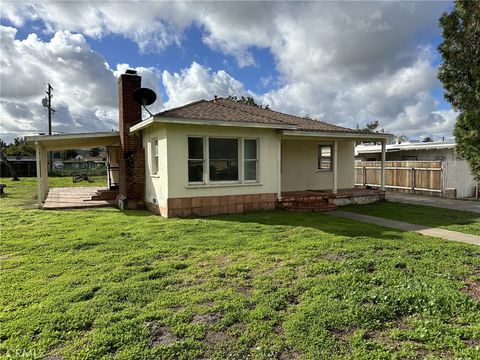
{"points": [[324, 170], [201, 186], [155, 176]]}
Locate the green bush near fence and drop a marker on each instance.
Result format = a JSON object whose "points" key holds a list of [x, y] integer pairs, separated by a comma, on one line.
{"points": [[98, 171]]}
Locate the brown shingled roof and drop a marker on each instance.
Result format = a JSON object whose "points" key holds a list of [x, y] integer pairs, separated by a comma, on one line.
{"points": [[232, 111]]}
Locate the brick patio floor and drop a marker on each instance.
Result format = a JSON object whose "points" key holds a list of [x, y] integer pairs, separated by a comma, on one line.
{"points": [[74, 198]]}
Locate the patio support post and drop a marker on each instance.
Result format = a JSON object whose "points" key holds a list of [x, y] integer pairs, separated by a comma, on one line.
{"points": [[384, 157], [42, 173], [335, 175]]}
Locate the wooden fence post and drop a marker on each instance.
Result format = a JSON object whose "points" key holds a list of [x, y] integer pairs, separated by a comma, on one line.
{"points": [[413, 180]]}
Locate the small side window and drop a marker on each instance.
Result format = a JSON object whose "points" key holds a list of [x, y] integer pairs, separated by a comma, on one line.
{"points": [[155, 156], [196, 159], [250, 158], [324, 157]]}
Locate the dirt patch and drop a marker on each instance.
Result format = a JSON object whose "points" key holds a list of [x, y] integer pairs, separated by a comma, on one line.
{"points": [[289, 354], [217, 337], [160, 335], [472, 289], [245, 290], [206, 318], [332, 256], [53, 357], [343, 334]]}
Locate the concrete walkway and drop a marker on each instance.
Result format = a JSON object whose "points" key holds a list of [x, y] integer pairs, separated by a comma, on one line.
{"points": [[425, 230], [454, 204]]}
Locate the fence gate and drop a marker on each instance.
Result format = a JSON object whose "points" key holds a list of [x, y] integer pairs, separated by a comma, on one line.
{"points": [[403, 176]]}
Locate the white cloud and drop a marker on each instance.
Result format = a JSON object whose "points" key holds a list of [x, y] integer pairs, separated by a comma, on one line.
{"points": [[85, 88], [344, 62], [196, 83]]}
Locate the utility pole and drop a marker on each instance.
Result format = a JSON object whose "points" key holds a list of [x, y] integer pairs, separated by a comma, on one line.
{"points": [[47, 102]]}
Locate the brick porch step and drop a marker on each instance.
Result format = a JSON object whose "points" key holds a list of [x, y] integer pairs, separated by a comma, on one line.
{"points": [[316, 208], [105, 194]]}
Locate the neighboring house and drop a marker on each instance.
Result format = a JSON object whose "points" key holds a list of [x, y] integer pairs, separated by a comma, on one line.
{"points": [[217, 156], [23, 165], [457, 174], [81, 163], [420, 151]]}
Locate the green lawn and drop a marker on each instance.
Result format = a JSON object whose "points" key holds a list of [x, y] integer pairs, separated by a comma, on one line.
{"points": [[91, 284], [462, 221]]}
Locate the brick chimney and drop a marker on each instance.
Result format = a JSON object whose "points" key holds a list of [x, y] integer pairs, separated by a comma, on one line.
{"points": [[132, 156]]}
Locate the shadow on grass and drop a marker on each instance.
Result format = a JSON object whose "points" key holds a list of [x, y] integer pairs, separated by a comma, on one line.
{"points": [[416, 214], [318, 221]]}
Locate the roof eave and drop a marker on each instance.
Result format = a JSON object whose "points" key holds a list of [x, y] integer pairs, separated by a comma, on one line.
{"points": [[33, 138], [171, 120], [338, 134]]}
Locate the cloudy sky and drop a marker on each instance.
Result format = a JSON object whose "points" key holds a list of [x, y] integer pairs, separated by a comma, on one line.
{"points": [[346, 63]]}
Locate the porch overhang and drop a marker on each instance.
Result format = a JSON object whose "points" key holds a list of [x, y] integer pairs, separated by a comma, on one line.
{"points": [[334, 137], [295, 134], [75, 141], [46, 143]]}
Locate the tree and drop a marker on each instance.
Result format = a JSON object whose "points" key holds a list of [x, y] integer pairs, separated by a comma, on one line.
{"points": [[94, 151], [247, 101], [401, 138], [10, 167], [459, 73], [427, 139], [19, 147], [371, 127], [69, 154]]}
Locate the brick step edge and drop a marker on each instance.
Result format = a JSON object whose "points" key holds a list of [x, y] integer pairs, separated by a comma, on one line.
{"points": [[310, 209], [105, 195]]}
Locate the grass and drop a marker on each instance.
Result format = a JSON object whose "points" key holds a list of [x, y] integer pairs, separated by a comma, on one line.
{"points": [[92, 284], [462, 221]]}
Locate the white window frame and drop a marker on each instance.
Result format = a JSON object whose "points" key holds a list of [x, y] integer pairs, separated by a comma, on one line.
{"points": [[319, 156], [206, 161], [245, 160], [154, 157]]}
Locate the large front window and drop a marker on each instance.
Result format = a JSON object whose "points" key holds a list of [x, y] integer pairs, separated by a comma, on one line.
{"points": [[216, 160], [223, 158]]}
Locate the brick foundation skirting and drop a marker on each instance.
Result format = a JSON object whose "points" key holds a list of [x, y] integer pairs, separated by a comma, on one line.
{"points": [[215, 205]]}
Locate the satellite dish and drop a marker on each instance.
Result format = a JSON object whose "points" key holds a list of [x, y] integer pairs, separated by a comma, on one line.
{"points": [[145, 96]]}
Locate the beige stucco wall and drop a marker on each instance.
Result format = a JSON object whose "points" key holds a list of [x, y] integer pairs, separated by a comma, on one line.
{"points": [[156, 185], [178, 134], [299, 165], [172, 181]]}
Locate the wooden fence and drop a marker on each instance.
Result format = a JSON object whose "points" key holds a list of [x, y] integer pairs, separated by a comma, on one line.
{"points": [[410, 176]]}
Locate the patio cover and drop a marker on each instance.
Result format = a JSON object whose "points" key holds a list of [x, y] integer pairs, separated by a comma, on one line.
{"points": [[46, 143]]}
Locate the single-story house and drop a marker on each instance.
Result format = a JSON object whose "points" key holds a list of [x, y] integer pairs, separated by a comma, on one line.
{"points": [[220, 156], [456, 173]]}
